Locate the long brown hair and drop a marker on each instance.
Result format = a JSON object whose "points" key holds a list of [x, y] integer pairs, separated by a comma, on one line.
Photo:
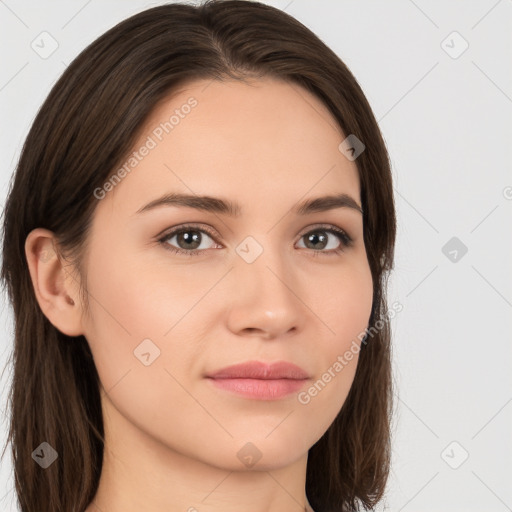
{"points": [[84, 129]]}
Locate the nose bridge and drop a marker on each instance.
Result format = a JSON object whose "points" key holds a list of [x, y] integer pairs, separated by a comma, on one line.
{"points": [[264, 261], [264, 283]]}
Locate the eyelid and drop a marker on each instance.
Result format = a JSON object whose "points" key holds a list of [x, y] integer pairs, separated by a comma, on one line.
{"points": [[345, 238], [325, 226], [170, 233], [188, 226], [214, 234]]}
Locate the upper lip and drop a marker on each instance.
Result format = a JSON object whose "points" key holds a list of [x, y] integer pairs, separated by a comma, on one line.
{"points": [[261, 370]]}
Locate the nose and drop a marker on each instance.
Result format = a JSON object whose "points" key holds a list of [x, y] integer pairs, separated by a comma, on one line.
{"points": [[266, 297]]}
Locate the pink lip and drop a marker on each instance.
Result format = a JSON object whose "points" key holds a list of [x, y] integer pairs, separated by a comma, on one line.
{"points": [[261, 381]]}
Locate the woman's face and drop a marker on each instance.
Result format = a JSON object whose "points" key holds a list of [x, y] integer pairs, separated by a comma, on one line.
{"points": [[269, 284]]}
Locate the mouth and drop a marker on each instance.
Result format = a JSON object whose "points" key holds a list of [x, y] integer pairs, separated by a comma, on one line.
{"points": [[260, 381]]}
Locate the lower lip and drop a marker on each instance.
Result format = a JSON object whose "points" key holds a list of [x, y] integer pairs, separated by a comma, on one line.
{"points": [[260, 389]]}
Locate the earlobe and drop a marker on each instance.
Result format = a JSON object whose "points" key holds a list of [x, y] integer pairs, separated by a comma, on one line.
{"points": [[55, 288]]}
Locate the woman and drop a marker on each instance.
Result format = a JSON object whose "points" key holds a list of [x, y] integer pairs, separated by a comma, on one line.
{"points": [[198, 283]]}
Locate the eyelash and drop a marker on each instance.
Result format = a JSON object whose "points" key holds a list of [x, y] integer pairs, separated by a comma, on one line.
{"points": [[343, 237]]}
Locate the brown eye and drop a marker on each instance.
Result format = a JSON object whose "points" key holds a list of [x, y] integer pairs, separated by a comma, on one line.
{"points": [[188, 240], [319, 239]]}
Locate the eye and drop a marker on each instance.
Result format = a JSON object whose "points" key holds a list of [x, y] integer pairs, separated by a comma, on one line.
{"points": [[318, 239], [189, 239]]}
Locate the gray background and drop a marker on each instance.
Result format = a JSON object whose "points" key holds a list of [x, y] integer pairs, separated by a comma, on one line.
{"points": [[446, 118]]}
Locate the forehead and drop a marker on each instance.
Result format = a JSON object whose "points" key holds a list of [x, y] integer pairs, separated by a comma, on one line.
{"points": [[263, 137]]}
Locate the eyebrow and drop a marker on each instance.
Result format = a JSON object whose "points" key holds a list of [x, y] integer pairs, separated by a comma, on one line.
{"points": [[233, 209]]}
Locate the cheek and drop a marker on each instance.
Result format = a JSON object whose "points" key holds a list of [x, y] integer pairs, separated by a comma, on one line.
{"points": [[132, 311], [124, 312], [343, 302], [141, 314], [344, 308]]}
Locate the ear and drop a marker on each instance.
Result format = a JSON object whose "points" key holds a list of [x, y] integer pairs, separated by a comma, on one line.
{"points": [[55, 286]]}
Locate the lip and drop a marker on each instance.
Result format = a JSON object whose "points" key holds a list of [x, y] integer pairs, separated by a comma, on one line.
{"points": [[260, 381], [261, 370]]}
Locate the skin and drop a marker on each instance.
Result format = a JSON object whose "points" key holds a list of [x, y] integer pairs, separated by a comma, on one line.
{"points": [[172, 438]]}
